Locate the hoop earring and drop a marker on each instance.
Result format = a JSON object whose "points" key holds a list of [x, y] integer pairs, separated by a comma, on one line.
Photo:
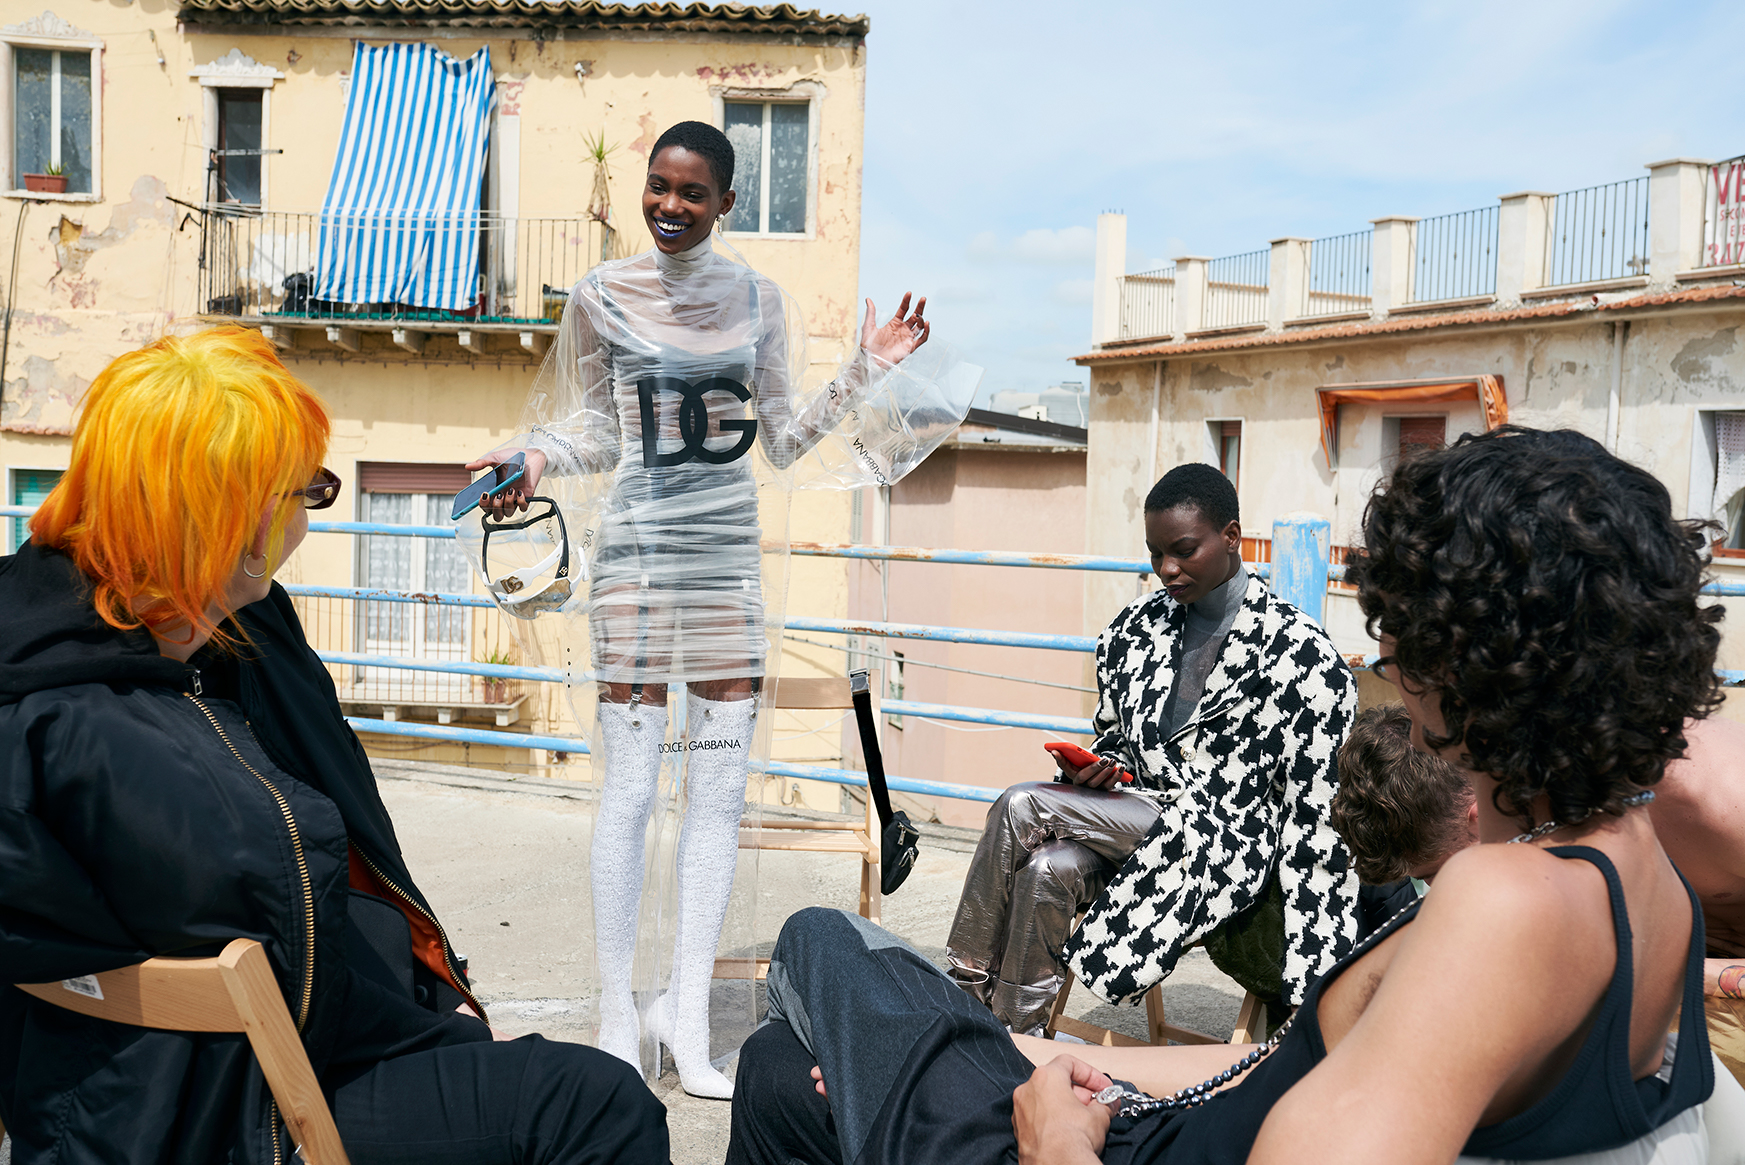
{"points": [[245, 557]]}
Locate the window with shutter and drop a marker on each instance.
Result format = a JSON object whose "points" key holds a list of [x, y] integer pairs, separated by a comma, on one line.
{"points": [[1420, 433]]}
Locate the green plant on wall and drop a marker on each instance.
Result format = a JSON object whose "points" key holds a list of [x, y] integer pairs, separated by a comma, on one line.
{"points": [[600, 201], [53, 170]]}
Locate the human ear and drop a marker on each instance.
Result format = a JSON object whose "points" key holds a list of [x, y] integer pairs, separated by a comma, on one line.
{"points": [[1232, 533], [727, 201]]}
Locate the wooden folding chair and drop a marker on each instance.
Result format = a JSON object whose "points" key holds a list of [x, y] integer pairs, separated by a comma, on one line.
{"points": [[233, 992], [1250, 1023], [861, 838]]}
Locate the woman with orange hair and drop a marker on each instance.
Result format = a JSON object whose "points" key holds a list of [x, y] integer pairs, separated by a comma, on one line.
{"points": [[175, 773]]}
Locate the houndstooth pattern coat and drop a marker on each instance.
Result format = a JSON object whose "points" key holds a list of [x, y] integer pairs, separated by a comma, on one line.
{"points": [[1245, 785]]}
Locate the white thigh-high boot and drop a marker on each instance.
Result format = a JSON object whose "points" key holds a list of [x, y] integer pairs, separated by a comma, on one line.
{"points": [[720, 739], [632, 736]]}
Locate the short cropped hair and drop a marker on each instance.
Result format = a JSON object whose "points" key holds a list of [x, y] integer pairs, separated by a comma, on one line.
{"points": [[1543, 592], [178, 449], [707, 143], [1397, 808], [1201, 486]]}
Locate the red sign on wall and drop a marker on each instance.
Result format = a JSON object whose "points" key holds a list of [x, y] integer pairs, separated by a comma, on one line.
{"points": [[1724, 216]]}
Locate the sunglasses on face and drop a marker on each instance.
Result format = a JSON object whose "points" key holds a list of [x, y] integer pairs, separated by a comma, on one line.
{"points": [[320, 493]]}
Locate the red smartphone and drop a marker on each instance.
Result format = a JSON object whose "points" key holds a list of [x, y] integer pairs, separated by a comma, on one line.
{"points": [[1078, 757]]}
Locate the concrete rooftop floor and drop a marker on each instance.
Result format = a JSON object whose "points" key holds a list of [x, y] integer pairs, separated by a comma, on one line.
{"points": [[489, 849], [503, 859]]}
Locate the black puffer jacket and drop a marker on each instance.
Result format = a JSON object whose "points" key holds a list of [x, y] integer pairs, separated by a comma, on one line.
{"points": [[149, 807]]}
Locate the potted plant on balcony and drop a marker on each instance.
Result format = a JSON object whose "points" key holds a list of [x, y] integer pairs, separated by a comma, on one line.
{"points": [[52, 180], [496, 687]]}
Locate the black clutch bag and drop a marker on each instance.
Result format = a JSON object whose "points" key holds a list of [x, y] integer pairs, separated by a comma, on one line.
{"points": [[898, 838]]}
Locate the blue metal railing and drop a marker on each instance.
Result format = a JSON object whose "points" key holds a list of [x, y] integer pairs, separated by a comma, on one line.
{"points": [[1299, 530]]}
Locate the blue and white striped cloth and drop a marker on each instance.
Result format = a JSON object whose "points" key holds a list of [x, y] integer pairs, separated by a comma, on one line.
{"points": [[400, 223]]}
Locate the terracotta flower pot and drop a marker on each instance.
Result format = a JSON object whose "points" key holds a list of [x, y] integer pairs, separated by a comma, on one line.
{"points": [[46, 183]]}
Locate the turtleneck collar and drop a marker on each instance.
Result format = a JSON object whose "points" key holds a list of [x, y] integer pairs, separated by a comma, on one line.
{"points": [[1220, 604], [682, 264]]}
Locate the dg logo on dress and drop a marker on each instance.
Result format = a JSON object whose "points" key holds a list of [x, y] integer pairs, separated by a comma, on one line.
{"points": [[693, 421]]}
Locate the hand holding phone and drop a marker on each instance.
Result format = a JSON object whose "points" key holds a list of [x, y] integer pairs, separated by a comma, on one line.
{"points": [[1084, 767], [497, 478]]}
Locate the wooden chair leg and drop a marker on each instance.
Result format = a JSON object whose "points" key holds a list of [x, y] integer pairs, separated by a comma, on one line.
{"points": [[1059, 1008], [1250, 1021], [1154, 1021]]}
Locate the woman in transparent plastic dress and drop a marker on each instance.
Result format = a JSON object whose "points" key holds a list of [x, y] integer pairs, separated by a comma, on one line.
{"points": [[664, 411]]}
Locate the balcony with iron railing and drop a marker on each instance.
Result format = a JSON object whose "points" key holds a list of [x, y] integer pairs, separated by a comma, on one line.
{"points": [[1339, 281], [1148, 304], [467, 275]]}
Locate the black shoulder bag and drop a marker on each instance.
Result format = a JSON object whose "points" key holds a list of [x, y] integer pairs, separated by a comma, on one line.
{"points": [[898, 843]]}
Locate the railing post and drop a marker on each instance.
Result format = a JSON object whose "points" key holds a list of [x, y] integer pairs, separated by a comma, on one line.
{"points": [[1287, 281], [1190, 294], [1390, 262], [1301, 543], [1675, 218], [1111, 267], [1521, 243]]}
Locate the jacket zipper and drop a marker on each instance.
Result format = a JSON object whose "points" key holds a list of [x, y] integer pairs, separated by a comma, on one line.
{"points": [[447, 951], [302, 865]]}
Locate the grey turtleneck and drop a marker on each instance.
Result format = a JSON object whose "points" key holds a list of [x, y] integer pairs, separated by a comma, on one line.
{"points": [[1208, 622]]}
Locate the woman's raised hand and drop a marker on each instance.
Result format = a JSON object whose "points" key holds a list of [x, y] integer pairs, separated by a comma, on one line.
{"points": [[515, 497], [901, 334]]}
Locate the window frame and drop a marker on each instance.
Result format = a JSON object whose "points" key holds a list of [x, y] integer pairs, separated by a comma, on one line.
{"points": [[1215, 447], [237, 70], [8, 545], [1705, 454], [54, 34], [807, 93]]}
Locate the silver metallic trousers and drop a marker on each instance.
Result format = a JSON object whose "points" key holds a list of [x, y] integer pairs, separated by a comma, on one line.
{"points": [[1047, 851]]}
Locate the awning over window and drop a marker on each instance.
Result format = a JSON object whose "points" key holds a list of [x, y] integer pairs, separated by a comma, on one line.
{"points": [[1486, 390], [400, 223]]}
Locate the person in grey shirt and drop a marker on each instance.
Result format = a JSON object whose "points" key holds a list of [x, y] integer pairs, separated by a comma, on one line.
{"points": [[1167, 713]]}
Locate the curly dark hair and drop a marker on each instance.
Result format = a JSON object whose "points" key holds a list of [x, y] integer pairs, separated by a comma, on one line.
{"points": [[1544, 592], [1396, 807]]}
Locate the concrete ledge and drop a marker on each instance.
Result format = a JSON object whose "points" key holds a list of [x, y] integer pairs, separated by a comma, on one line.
{"points": [[1430, 305], [1629, 282]]}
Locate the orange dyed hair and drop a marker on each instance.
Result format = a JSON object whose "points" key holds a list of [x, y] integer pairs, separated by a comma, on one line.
{"points": [[178, 450]]}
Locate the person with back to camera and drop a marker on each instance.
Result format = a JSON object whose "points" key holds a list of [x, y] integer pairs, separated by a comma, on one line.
{"points": [[175, 773], [1226, 705], [672, 385], [1520, 1011], [1405, 814]]}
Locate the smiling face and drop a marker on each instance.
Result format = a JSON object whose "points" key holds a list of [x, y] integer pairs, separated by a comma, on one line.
{"points": [[1190, 556], [680, 201]]}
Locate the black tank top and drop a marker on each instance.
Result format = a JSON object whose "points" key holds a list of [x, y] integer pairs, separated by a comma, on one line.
{"points": [[1596, 1106]]}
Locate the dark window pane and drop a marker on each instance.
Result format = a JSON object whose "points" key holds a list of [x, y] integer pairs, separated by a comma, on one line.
{"points": [[239, 128], [745, 130], [32, 128], [76, 160], [787, 168]]}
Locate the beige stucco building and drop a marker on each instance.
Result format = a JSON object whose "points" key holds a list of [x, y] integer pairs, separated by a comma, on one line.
{"points": [[154, 234], [1615, 311]]}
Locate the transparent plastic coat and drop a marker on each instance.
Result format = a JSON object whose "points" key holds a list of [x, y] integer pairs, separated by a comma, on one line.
{"points": [[671, 412]]}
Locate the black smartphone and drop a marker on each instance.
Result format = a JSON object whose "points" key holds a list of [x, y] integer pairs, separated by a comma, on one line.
{"points": [[494, 481]]}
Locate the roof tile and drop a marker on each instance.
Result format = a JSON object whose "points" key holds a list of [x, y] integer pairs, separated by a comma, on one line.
{"points": [[768, 19]]}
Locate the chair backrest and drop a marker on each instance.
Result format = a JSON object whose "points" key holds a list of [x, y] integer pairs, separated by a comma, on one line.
{"points": [[824, 692], [232, 992]]}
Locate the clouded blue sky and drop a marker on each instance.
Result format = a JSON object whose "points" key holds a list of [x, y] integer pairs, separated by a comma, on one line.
{"points": [[995, 133]]}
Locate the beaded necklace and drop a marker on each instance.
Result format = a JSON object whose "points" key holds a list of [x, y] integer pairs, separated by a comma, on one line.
{"points": [[1548, 827], [1127, 1102]]}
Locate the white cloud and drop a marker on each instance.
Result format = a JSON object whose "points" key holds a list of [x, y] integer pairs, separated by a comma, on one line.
{"points": [[1038, 246]]}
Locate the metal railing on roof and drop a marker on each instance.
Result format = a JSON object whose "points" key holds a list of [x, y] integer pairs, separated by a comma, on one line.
{"points": [[1597, 233], [1454, 256], [1148, 304], [1236, 290], [262, 265], [1339, 280]]}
